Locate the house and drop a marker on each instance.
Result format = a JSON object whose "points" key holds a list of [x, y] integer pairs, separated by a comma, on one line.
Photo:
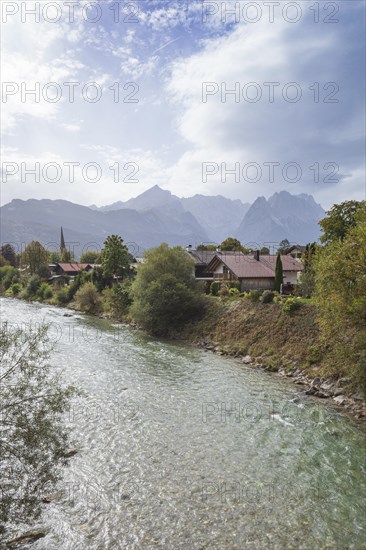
{"points": [[295, 251], [201, 260], [72, 269], [253, 271]]}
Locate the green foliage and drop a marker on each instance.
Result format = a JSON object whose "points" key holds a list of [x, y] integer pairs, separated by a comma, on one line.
{"points": [[90, 257], [267, 297], [34, 257], [283, 246], [8, 253], [290, 304], [165, 292], [15, 289], [116, 259], [340, 294], [87, 299], [98, 278], [54, 257], [224, 291], [254, 295], [66, 256], [340, 219], [314, 354], [118, 298], [8, 275], [214, 288], [232, 244], [234, 292], [45, 291], [32, 287], [264, 250], [278, 273], [32, 432], [307, 281], [62, 296]]}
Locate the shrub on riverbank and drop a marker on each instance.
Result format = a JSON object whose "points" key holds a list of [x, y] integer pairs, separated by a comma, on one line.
{"points": [[165, 294], [87, 299]]}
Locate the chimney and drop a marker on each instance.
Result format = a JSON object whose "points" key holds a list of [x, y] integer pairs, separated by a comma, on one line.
{"points": [[256, 254]]}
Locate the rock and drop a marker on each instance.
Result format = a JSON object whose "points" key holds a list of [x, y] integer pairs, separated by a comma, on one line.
{"points": [[69, 454], [26, 538], [315, 381], [327, 387], [343, 381], [338, 391], [247, 360], [67, 314], [322, 394], [357, 397], [310, 391], [340, 399]]}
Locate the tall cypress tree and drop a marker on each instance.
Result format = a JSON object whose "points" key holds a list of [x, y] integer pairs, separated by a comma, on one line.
{"points": [[279, 273]]}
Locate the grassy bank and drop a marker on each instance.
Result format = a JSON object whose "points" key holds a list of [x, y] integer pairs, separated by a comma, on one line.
{"points": [[264, 331]]}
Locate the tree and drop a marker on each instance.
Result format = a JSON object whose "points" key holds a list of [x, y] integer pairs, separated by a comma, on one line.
{"points": [[340, 219], [8, 253], [283, 246], [34, 257], [264, 250], [307, 281], [90, 257], [165, 293], [32, 433], [278, 273], [232, 244], [66, 256], [116, 259], [54, 257], [340, 294]]}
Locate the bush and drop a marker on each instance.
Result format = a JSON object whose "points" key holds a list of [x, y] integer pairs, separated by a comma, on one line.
{"points": [[45, 291], [254, 296], [15, 289], [32, 287], [234, 292], [289, 305], [267, 297], [166, 305], [62, 296], [214, 288], [87, 298], [8, 274], [118, 298], [223, 291]]}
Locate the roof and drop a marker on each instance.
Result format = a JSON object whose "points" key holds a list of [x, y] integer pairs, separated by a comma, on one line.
{"points": [[245, 266], [202, 257], [288, 262], [73, 266]]}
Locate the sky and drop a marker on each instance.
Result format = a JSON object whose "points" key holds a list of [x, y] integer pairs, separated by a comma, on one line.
{"points": [[102, 100]]}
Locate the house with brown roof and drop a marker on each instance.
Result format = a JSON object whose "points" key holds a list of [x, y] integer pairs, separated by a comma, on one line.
{"points": [[253, 271], [71, 269]]}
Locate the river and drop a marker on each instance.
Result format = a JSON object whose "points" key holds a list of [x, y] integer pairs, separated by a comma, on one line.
{"points": [[183, 449]]}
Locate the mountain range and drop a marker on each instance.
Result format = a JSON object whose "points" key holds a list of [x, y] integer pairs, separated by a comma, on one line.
{"points": [[158, 216]]}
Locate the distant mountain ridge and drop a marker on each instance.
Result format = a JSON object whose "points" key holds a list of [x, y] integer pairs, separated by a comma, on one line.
{"points": [[282, 216], [157, 216]]}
